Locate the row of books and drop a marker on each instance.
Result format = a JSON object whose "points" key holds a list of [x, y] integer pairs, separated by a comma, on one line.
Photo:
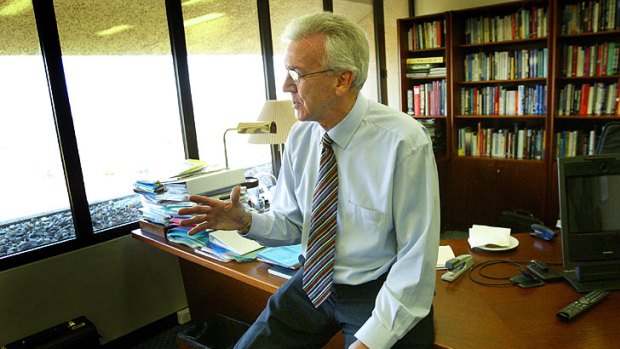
{"points": [[425, 70], [590, 16], [428, 99], [430, 34], [575, 142], [593, 60], [517, 143], [524, 23], [499, 100], [436, 130], [506, 65], [589, 99]]}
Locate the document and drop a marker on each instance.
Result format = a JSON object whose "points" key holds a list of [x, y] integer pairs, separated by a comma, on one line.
{"points": [[444, 255], [234, 242]]}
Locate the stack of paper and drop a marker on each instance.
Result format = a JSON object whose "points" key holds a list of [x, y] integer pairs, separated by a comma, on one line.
{"points": [[160, 198], [233, 242], [445, 254], [483, 235]]}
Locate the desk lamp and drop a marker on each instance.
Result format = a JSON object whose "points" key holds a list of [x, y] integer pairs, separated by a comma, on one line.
{"points": [[250, 128], [283, 114]]}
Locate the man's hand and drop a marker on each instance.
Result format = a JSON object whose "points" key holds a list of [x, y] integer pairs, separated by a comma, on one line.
{"points": [[215, 214], [358, 345]]}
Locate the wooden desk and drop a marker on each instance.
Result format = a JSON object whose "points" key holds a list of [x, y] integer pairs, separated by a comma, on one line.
{"points": [[467, 315]]}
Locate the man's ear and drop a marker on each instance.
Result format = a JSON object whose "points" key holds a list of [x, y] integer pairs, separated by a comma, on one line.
{"points": [[344, 82]]}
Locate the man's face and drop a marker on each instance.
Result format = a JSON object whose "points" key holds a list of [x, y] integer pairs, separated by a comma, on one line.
{"points": [[313, 95]]}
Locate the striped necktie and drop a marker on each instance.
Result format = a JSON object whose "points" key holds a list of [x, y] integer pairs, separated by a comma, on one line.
{"points": [[319, 264]]}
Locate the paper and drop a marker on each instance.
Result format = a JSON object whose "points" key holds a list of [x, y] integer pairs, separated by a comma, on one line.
{"points": [[234, 242], [481, 235], [444, 255]]}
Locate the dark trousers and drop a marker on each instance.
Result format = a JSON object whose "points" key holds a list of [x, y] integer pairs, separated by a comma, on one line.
{"points": [[291, 321]]}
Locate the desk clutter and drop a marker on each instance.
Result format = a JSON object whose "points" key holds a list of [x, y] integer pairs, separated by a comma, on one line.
{"points": [[161, 199]]}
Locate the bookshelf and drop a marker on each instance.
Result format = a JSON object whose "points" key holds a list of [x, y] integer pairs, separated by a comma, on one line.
{"points": [[500, 57], [527, 82], [424, 56], [586, 79]]}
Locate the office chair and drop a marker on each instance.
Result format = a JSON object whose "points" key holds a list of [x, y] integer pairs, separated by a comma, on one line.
{"points": [[610, 138]]}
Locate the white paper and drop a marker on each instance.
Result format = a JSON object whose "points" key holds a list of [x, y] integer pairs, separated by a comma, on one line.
{"points": [[481, 235], [444, 255], [234, 242]]}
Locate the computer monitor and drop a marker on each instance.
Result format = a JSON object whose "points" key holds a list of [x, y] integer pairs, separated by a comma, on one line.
{"points": [[589, 188]]}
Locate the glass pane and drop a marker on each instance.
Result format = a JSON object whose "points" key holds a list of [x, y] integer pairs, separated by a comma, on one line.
{"points": [[227, 80], [35, 209], [360, 11], [120, 77], [281, 13]]}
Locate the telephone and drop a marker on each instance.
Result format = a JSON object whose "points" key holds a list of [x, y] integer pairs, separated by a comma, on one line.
{"points": [[457, 266]]}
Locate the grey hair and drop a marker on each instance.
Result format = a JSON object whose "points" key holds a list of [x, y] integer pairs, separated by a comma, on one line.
{"points": [[346, 44]]}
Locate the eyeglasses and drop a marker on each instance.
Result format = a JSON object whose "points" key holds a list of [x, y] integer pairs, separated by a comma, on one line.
{"points": [[296, 77]]}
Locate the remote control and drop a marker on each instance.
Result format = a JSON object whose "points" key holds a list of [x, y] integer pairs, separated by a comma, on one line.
{"points": [[581, 305]]}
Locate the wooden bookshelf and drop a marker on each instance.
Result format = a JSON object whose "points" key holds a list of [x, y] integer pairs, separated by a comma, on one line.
{"points": [[425, 95], [538, 53]]}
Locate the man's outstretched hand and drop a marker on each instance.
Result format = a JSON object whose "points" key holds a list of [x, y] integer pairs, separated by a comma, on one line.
{"points": [[215, 214]]}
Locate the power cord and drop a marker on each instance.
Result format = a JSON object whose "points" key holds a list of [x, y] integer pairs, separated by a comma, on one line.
{"points": [[502, 281]]}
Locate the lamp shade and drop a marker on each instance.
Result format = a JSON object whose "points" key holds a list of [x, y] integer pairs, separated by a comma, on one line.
{"points": [[280, 112]]}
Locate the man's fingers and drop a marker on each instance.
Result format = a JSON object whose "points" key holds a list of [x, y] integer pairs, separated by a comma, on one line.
{"points": [[235, 194], [195, 210], [198, 219], [197, 229], [204, 200]]}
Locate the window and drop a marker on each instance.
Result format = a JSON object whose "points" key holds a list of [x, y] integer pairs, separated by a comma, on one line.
{"points": [[227, 78], [120, 79], [35, 200], [121, 85], [281, 13], [361, 12]]}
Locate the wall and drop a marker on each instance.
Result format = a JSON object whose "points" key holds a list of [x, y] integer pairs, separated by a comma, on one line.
{"points": [[436, 6], [120, 285], [393, 10]]}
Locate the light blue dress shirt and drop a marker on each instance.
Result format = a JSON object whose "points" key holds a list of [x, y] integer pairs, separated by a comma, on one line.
{"points": [[388, 210]]}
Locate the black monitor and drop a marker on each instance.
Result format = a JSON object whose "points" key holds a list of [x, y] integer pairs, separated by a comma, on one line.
{"points": [[590, 217]]}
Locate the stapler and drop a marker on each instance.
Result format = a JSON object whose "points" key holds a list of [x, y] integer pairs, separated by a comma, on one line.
{"points": [[542, 232], [457, 266]]}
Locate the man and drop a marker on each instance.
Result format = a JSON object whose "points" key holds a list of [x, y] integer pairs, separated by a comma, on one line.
{"points": [[380, 215]]}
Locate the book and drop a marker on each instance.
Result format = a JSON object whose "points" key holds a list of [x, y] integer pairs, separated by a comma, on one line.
{"points": [[282, 272], [206, 183], [284, 256], [422, 60], [154, 228]]}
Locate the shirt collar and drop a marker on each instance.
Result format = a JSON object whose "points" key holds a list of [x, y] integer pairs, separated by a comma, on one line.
{"points": [[344, 130]]}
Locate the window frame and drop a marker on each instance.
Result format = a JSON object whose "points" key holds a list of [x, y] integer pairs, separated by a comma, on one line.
{"points": [[47, 31]]}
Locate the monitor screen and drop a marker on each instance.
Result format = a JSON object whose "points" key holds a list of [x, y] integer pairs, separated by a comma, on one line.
{"points": [[590, 218]]}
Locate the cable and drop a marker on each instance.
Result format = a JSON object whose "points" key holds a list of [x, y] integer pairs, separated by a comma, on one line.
{"points": [[479, 268]]}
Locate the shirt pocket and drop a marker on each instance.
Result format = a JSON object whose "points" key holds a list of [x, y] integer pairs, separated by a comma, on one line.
{"points": [[362, 219]]}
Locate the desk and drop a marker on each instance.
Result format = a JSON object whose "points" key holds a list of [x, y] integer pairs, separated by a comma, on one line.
{"points": [[467, 315]]}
